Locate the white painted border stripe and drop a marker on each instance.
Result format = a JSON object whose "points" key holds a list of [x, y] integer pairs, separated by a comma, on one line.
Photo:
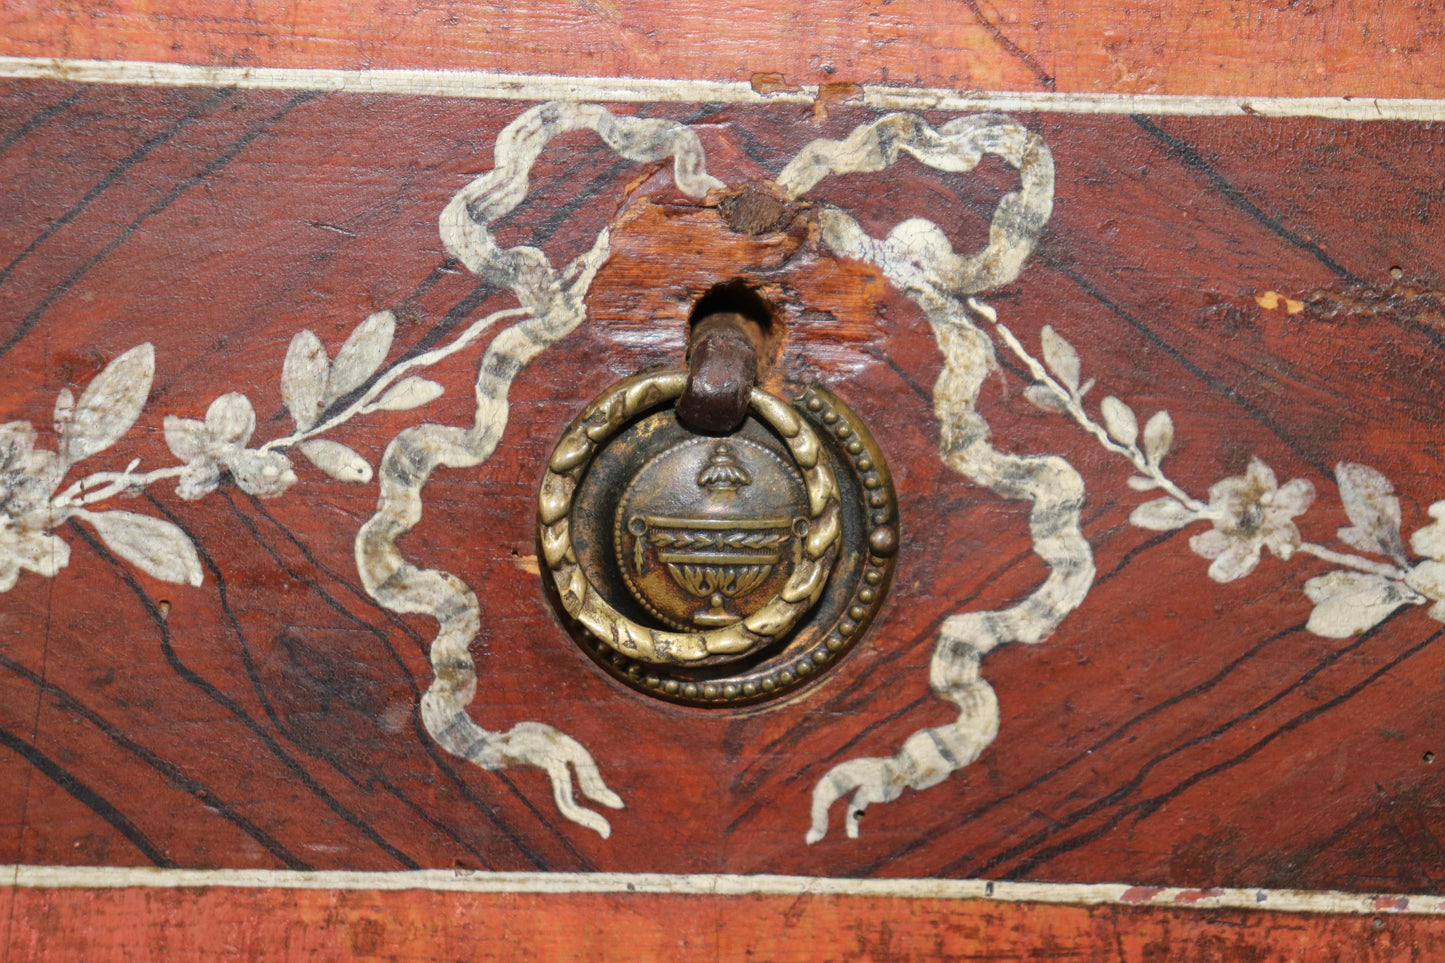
{"points": [[1078, 894], [490, 86]]}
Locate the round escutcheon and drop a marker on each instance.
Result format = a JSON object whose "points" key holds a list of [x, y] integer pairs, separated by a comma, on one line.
{"points": [[717, 570], [562, 512]]}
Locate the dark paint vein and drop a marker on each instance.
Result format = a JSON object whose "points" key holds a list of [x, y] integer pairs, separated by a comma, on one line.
{"points": [[1137, 780], [1147, 807], [181, 187], [86, 796], [39, 118], [172, 773], [115, 174], [1180, 150], [198, 681], [1013, 49], [418, 730]]}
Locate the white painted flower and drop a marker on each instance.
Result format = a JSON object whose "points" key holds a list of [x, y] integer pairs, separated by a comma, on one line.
{"points": [[28, 479], [1428, 577], [1251, 512], [219, 444]]}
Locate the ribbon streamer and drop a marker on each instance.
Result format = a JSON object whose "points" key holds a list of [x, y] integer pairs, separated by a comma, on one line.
{"points": [[917, 256], [555, 303]]}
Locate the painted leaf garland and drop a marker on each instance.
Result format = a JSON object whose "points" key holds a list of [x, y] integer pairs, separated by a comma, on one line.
{"points": [[1120, 420], [303, 378], [1158, 437], [1348, 603], [1371, 504], [360, 356], [110, 404], [1061, 358], [407, 394], [153, 545], [337, 460], [1162, 515]]}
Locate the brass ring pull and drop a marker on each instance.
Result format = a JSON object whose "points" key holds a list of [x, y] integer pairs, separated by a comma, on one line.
{"points": [[819, 538]]}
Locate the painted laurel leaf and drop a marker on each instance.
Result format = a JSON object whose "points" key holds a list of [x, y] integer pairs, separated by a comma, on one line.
{"points": [[64, 411], [110, 404], [360, 356], [336, 460], [1370, 503], [1162, 515], [303, 378], [153, 545], [1158, 437], [1120, 420], [1061, 358], [1348, 603], [407, 394], [1043, 397]]}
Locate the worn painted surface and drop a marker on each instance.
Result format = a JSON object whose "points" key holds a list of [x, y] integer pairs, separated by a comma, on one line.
{"points": [[1169, 728], [1216, 709], [1284, 49], [220, 923]]}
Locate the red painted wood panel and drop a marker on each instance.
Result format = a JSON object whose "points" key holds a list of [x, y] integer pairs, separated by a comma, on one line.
{"points": [[1246, 49], [1173, 731], [220, 923]]}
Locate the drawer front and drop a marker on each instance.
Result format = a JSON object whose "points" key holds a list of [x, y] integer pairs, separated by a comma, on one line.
{"points": [[1154, 379]]}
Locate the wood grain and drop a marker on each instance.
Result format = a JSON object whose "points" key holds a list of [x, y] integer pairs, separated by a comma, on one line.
{"points": [[1249, 49], [1173, 731], [218, 923]]}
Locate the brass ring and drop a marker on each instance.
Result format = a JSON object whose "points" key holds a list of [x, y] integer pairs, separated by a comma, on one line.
{"points": [[602, 419]]}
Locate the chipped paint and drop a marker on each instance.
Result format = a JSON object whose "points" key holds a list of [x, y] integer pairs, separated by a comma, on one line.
{"points": [[1270, 300]]}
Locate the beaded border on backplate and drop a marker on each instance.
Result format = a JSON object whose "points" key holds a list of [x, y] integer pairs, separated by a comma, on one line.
{"points": [[859, 455]]}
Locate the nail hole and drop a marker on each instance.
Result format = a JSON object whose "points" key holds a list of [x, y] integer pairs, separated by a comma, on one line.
{"points": [[164, 607], [1428, 758], [1397, 272]]}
